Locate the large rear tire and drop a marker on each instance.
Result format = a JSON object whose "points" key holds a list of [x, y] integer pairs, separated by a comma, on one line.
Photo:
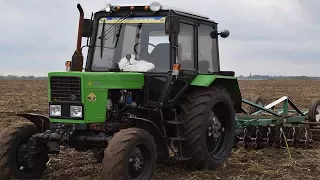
{"points": [[131, 154], [13, 141], [210, 127]]}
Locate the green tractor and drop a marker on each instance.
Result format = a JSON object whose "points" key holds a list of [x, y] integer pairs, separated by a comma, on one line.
{"points": [[151, 92]]}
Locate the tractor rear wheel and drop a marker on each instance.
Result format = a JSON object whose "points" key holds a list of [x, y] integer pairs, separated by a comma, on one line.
{"points": [[15, 162], [131, 154], [209, 116]]}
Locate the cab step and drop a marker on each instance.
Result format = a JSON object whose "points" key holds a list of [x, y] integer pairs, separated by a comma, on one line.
{"points": [[183, 158], [174, 122], [177, 138]]}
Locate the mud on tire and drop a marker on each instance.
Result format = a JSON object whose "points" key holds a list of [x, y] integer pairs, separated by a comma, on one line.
{"points": [[129, 149], [11, 139], [196, 111]]}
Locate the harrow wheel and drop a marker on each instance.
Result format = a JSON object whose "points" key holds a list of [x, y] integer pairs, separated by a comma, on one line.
{"points": [[277, 136], [303, 137], [297, 136], [270, 136], [314, 111], [282, 136], [286, 135], [295, 141], [258, 101], [259, 138], [246, 138]]}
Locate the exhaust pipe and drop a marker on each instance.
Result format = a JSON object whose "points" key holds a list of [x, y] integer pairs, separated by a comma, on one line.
{"points": [[77, 58]]}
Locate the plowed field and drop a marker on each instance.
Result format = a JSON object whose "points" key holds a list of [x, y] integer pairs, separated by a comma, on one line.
{"points": [[31, 96]]}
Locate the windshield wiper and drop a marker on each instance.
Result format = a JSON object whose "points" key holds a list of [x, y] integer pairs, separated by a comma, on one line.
{"points": [[102, 41], [104, 34], [109, 30]]}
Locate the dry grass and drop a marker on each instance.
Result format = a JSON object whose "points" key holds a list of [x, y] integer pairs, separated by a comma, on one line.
{"points": [[31, 96]]}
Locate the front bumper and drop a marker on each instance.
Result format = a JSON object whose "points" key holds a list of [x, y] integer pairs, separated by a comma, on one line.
{"points": [[70, 135]]}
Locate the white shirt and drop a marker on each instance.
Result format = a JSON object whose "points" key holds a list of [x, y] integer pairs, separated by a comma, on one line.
{"points": [[135, 65]]}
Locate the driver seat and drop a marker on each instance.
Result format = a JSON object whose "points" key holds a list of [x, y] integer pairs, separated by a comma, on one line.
{"points": [[160, 57]]}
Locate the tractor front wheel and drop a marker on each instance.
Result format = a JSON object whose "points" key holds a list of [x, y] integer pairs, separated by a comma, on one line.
{"points": [[209, 116], [16, 160], [131, 154]]}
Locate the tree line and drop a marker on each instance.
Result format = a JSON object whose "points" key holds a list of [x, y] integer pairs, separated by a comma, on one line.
{"points": [[14, 77], [267, 77]]}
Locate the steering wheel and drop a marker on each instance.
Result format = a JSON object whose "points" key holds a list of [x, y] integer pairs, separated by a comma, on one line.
{"points": [[138, 44]]}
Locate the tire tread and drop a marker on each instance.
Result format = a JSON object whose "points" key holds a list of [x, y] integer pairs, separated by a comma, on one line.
{"points": [[191, 109], [116, 150]]}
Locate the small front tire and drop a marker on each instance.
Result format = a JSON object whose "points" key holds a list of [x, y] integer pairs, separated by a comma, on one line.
{"points": [[131, 154], [12, 141]]}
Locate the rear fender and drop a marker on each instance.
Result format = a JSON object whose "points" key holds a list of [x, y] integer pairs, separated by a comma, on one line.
{"points": [[228, 82], [42, 122], [162, 148], [232, 87]]}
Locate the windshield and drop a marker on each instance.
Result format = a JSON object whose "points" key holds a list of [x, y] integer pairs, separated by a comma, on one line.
{"points": [[137, 44]]}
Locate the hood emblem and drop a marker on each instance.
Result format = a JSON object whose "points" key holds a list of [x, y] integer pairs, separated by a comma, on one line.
{"points": [[92, 97]]}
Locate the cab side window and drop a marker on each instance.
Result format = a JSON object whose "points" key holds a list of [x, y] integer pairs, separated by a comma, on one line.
{"points": [[207, 50], [156, 38], [185, 55]]}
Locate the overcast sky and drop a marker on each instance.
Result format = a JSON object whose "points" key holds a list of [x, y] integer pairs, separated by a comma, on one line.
{"points": [[275, 37]]}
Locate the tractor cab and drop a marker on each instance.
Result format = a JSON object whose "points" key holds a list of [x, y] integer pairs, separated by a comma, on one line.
{"points": [[168, 45]]}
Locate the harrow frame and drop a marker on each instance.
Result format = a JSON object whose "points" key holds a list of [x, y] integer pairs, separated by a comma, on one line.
{"points": [[275, 123], [275, 114]]}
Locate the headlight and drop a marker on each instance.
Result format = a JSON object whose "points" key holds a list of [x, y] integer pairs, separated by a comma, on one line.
{"points": [[155, 6], [55, 110], [108, 7], [76, 111]]}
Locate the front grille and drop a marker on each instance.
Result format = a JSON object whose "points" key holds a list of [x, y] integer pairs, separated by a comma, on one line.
{"points": [[65, 89]]}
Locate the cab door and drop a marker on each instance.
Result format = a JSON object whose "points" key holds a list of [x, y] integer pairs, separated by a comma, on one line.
{"points": [[163, 89]]}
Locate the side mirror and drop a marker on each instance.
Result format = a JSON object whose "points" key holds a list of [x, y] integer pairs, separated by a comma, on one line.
{"points": [[87, 28], [214, 34], [224, 33], [172, 25]]}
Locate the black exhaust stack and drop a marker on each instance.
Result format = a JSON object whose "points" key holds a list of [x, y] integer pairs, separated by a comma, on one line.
{"points": [[77, 58]]}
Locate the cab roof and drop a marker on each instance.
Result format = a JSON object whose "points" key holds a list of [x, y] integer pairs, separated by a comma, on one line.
{"points": [[176, 10]]}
